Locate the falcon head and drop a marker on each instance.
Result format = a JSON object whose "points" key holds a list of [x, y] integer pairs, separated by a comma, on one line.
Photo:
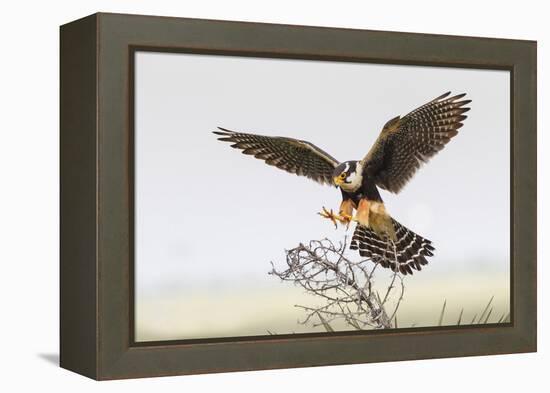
{"points": [[348, 175]]}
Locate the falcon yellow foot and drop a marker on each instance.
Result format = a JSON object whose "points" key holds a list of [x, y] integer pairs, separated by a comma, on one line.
{"points": [[343, 218]]}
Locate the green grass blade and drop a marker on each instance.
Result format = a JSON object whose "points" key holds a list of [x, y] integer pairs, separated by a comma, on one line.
{"points": [[353, 323], [442, 313], [326, 325], [488, 315], [485, 310], [460, 316]]}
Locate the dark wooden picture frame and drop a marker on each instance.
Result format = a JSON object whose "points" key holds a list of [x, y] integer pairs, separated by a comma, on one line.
{"points": [[96, 141]]}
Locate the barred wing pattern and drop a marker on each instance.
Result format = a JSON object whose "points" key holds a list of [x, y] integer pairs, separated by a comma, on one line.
{"points": [[406, 143], [408, 252], [292, 155]]}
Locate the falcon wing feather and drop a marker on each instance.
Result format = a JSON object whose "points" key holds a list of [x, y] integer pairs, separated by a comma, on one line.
{"points": [[292, 155], [405, 143]]}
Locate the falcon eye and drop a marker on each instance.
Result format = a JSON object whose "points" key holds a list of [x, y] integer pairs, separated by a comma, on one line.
{"points": [[343, 175]]}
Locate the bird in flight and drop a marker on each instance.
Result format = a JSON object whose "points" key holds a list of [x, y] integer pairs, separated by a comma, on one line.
{"points": [[402, 146]]}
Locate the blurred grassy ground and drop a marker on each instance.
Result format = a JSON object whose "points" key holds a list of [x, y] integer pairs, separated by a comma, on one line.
{"points": [[249, 311]]}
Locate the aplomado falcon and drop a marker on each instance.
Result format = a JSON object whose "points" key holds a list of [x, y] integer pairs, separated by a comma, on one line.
{"points": [[402, 146]]}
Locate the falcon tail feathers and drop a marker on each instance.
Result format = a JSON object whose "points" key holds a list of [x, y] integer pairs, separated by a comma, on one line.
{"points": [[406, 254]]}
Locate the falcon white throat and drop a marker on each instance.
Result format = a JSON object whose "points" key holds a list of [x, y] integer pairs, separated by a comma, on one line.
{"points": [[404, 144]]}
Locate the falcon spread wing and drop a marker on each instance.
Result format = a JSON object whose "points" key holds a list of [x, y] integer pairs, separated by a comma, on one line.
{"points": [[405, 143], [291, 155]]}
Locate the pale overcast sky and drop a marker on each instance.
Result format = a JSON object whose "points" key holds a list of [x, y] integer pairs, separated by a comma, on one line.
{"points": [[208, 217]]}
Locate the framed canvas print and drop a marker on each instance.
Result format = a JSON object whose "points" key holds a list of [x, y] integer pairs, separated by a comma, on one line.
{"points": [[384, 206]]}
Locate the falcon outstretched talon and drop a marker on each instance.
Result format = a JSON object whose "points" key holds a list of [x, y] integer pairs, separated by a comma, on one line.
{"points": [[330, 215], [404, 144], [342, 217]]}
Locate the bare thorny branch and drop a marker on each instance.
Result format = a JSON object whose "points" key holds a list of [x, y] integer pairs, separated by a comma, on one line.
{"points": [[345, 286]]}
